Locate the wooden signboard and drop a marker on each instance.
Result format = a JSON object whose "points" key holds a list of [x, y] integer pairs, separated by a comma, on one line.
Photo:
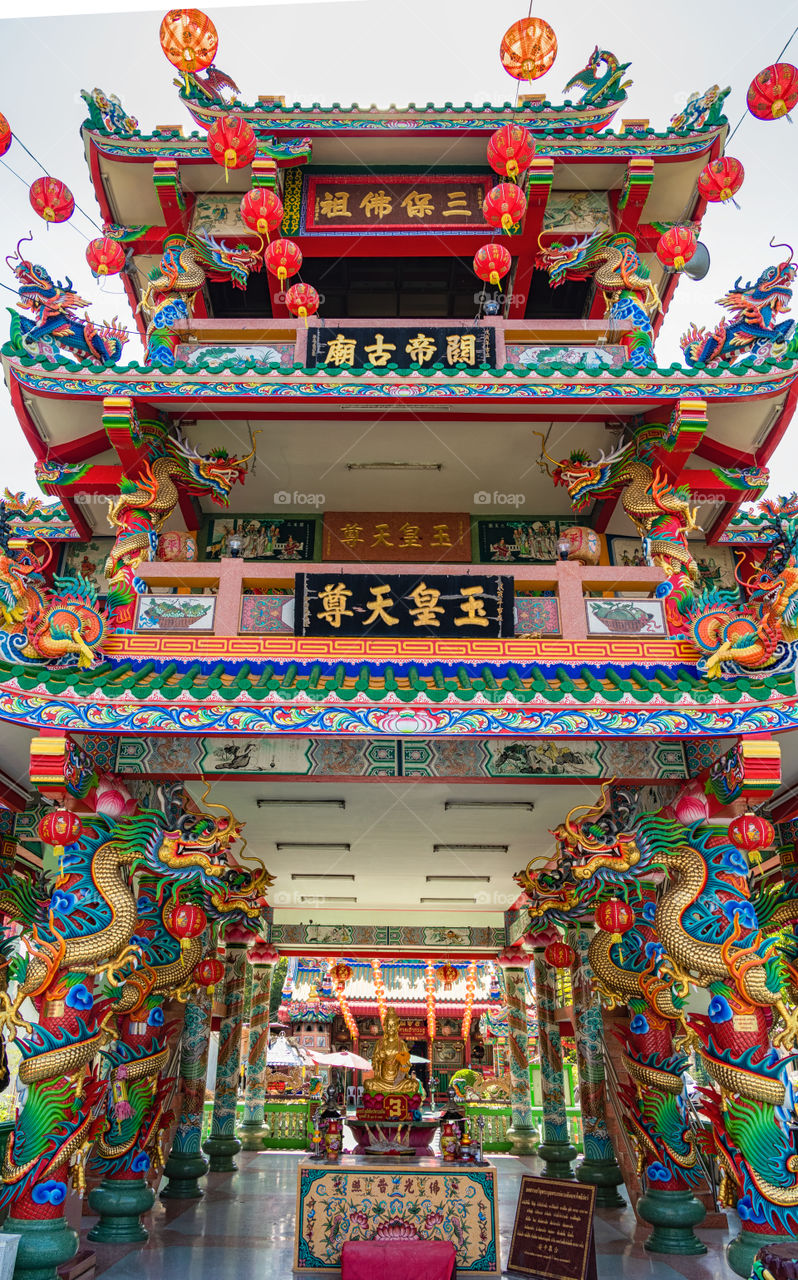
{"points": [[391, 202], [361, 604], [398, 536], [553, 1230]]}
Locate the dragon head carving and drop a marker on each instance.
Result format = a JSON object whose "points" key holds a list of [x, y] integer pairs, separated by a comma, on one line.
{"points": [[213, 473], [586, 480]]}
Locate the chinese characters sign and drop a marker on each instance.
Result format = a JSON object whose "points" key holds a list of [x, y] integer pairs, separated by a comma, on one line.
{"points": [[417, 348], [403, 605], [378, 202], [397, 537]]}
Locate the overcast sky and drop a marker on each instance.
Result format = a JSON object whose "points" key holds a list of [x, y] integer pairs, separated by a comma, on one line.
{"points": [[368, 51]]}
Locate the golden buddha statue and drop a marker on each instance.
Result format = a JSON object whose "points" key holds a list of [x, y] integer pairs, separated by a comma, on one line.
{"points": [[391, 1062]]}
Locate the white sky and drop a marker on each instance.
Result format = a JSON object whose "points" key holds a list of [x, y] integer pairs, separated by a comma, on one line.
{"points": [[369, 51]]}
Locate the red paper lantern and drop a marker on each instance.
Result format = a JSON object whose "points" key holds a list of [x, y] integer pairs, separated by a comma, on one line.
{"points": [[774, 92], [60, 827], [491, 262], [510, 150], [447, 974], [52, 199], [528, 49], [6, 136], [504, 206], [262, 210], [283, 258], [209, 971], [559, 955], [341, 973], [186, 921], [751, 833], [677, 246], [721, 179], [302, 300], [105, 257], [232, 143], [189, 39], [615, 917]]}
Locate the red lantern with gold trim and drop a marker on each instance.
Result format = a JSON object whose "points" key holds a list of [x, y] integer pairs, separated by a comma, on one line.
{"points": [[447, 975], [186, 922], [341, 973], [528, 49], [209, 972], [504, 206], [676, 247], [510, 150], [6, 136], [106, 257], [302, 300], [721, 179], [751, 833], [615, 917], [262, 210], [232, 143], [51, 199], [491, 262], [774, 92], [559, 955], [60, 827], [283, 258], [189, 39]]}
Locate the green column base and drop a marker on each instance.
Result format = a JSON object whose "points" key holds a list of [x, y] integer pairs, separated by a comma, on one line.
{"points": [[558, 1157], [183, 1168], [253, 1134], [220, 1152], [672, 1214], [120, 1203], [524, 1140], [46, 1243], [741, 1250], [605, 1176]]}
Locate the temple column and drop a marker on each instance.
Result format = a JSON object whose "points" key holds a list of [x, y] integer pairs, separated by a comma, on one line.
{"points": [[522, 1132], [223, 1145], [186, 1162], [598, 1166], [556, 1148], [262, 959]]}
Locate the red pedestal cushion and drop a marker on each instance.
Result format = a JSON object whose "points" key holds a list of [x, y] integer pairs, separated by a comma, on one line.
{"points": [[398, 1260]]}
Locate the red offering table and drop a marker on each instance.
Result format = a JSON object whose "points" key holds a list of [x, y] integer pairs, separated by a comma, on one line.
{"points": [[398, 1260]]}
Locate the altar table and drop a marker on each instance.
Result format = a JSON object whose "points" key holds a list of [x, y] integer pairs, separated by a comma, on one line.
{"points": [[368, 1198], [398, 1260]]}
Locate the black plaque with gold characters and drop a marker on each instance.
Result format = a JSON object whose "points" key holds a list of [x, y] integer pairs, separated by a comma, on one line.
{"points": [[369, 605], [553, 1230]]}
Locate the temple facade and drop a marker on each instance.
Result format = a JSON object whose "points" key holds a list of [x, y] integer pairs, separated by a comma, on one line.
{"points": [[397, 615]]}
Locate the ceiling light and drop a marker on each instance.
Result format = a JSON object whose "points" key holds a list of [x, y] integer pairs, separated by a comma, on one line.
{"points": [[489, 804], [327, 804], [321, 875], [312, 845], [471, 901], [459, 879], [317, 898], [394, 466], [468, 848]]}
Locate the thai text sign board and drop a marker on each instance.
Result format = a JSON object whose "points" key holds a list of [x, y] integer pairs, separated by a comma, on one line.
{"points": [[397, 536], [403, 605], [451, 346], [396, 202], [553, 1230]]}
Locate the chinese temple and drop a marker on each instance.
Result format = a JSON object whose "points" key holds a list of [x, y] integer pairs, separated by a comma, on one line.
{"points": [[392, 620]]}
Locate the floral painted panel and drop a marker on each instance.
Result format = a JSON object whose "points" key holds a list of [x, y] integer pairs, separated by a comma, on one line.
{"points": [[361, 1199]]}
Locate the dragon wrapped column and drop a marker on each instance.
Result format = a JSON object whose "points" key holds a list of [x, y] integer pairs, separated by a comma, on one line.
{"points": [[556, 1149], [599, 1166], [223, 1145], [186, 1162], [522, 1132], [253, 1130]]}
